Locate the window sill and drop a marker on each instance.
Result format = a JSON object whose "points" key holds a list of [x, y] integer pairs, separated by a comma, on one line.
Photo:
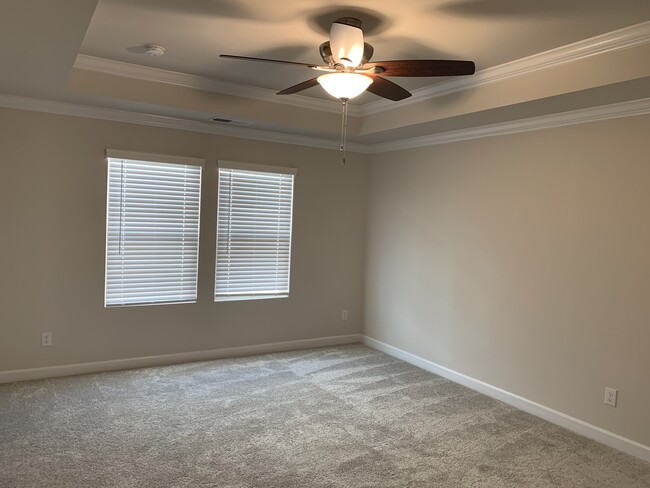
{"points": [[237, 298], [147, 304]]}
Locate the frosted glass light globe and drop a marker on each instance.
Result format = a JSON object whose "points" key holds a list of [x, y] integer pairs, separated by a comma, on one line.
{"points": [[345, 85]]}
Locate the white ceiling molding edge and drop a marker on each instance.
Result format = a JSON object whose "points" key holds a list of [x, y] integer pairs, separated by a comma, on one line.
{"points": [[619, 39], [116, 115], [147, 73], [627, 37], [591, 114]]}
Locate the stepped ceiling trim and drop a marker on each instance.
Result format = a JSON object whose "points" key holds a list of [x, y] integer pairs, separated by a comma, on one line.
{"points": [[592, 114], [147, 73], [619, 39], [116, 115], [627, 37]]}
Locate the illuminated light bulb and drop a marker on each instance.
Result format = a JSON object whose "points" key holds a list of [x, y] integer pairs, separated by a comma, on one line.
{"points": [[344, 85]]}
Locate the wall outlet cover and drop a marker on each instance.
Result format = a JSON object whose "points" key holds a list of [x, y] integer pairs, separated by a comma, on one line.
{"points": [[611, 395]]}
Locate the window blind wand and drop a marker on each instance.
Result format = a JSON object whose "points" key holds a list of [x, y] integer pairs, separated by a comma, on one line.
{"points": [[344, 128]]}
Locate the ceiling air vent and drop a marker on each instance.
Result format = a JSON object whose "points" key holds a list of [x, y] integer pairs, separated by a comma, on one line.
{"points": [[223, 120]]}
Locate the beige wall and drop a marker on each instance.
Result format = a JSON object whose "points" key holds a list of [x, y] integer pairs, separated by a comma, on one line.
{"points": [[53, 191], [522, 261], [519, 260]]}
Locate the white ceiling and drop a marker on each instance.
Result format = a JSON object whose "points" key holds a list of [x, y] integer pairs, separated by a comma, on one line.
{"points": [[489, 32], [40, 41]]}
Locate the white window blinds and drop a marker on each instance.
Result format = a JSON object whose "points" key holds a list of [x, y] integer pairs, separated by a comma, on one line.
{"points": [[152, 232], [253, 232]]}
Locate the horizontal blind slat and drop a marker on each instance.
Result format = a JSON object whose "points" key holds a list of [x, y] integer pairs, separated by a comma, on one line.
{"points": [[152, 232], [253, 234]]}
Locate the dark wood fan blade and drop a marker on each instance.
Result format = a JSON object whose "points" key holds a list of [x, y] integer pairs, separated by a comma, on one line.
{"points": [[387, 89], [265, 60], [422, 67], [299, 87]]}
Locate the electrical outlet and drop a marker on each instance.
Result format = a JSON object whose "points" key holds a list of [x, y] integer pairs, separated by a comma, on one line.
{"points": [[46, 339], [610, 396], [344, 315]]}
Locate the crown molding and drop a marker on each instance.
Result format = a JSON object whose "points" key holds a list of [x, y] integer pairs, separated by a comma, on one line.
{"points": [[146, 73], [627, 37], [116, 115], [592, 114], [619, 39]]}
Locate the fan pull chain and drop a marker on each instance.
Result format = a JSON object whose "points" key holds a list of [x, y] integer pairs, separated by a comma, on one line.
{"points": [[344, 128]]}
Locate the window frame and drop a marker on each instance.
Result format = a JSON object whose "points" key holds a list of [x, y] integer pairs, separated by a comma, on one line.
{"points": [[256, 168], [126, 156]]}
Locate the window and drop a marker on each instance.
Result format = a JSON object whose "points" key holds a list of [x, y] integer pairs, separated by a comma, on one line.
{"points": [[152, 229], [253, 231]]}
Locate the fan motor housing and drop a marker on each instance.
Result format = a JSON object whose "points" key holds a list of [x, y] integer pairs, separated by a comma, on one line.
{"points": [[326, 53]]}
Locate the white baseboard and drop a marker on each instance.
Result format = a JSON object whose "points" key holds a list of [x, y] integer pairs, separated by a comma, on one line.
{"points": [[598, 434], [165, 359]]}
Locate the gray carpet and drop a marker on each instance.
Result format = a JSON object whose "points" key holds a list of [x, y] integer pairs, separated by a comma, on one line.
{"points": [[334, 417]]}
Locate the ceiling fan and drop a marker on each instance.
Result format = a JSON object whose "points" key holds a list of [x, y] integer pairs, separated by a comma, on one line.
{"points": [[348, 71]]}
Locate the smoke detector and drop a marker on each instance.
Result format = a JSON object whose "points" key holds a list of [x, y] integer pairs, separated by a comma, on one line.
{"points": [[154, 49]]}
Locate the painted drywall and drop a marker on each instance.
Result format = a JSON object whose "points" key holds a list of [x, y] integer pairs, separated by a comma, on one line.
{"points": [[522, 261], [53, 197], [586, 73], [288, 118]]}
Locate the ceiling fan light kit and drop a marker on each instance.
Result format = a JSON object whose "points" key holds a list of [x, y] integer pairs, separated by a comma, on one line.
{"points": [[349, 72], [343, 85]]}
